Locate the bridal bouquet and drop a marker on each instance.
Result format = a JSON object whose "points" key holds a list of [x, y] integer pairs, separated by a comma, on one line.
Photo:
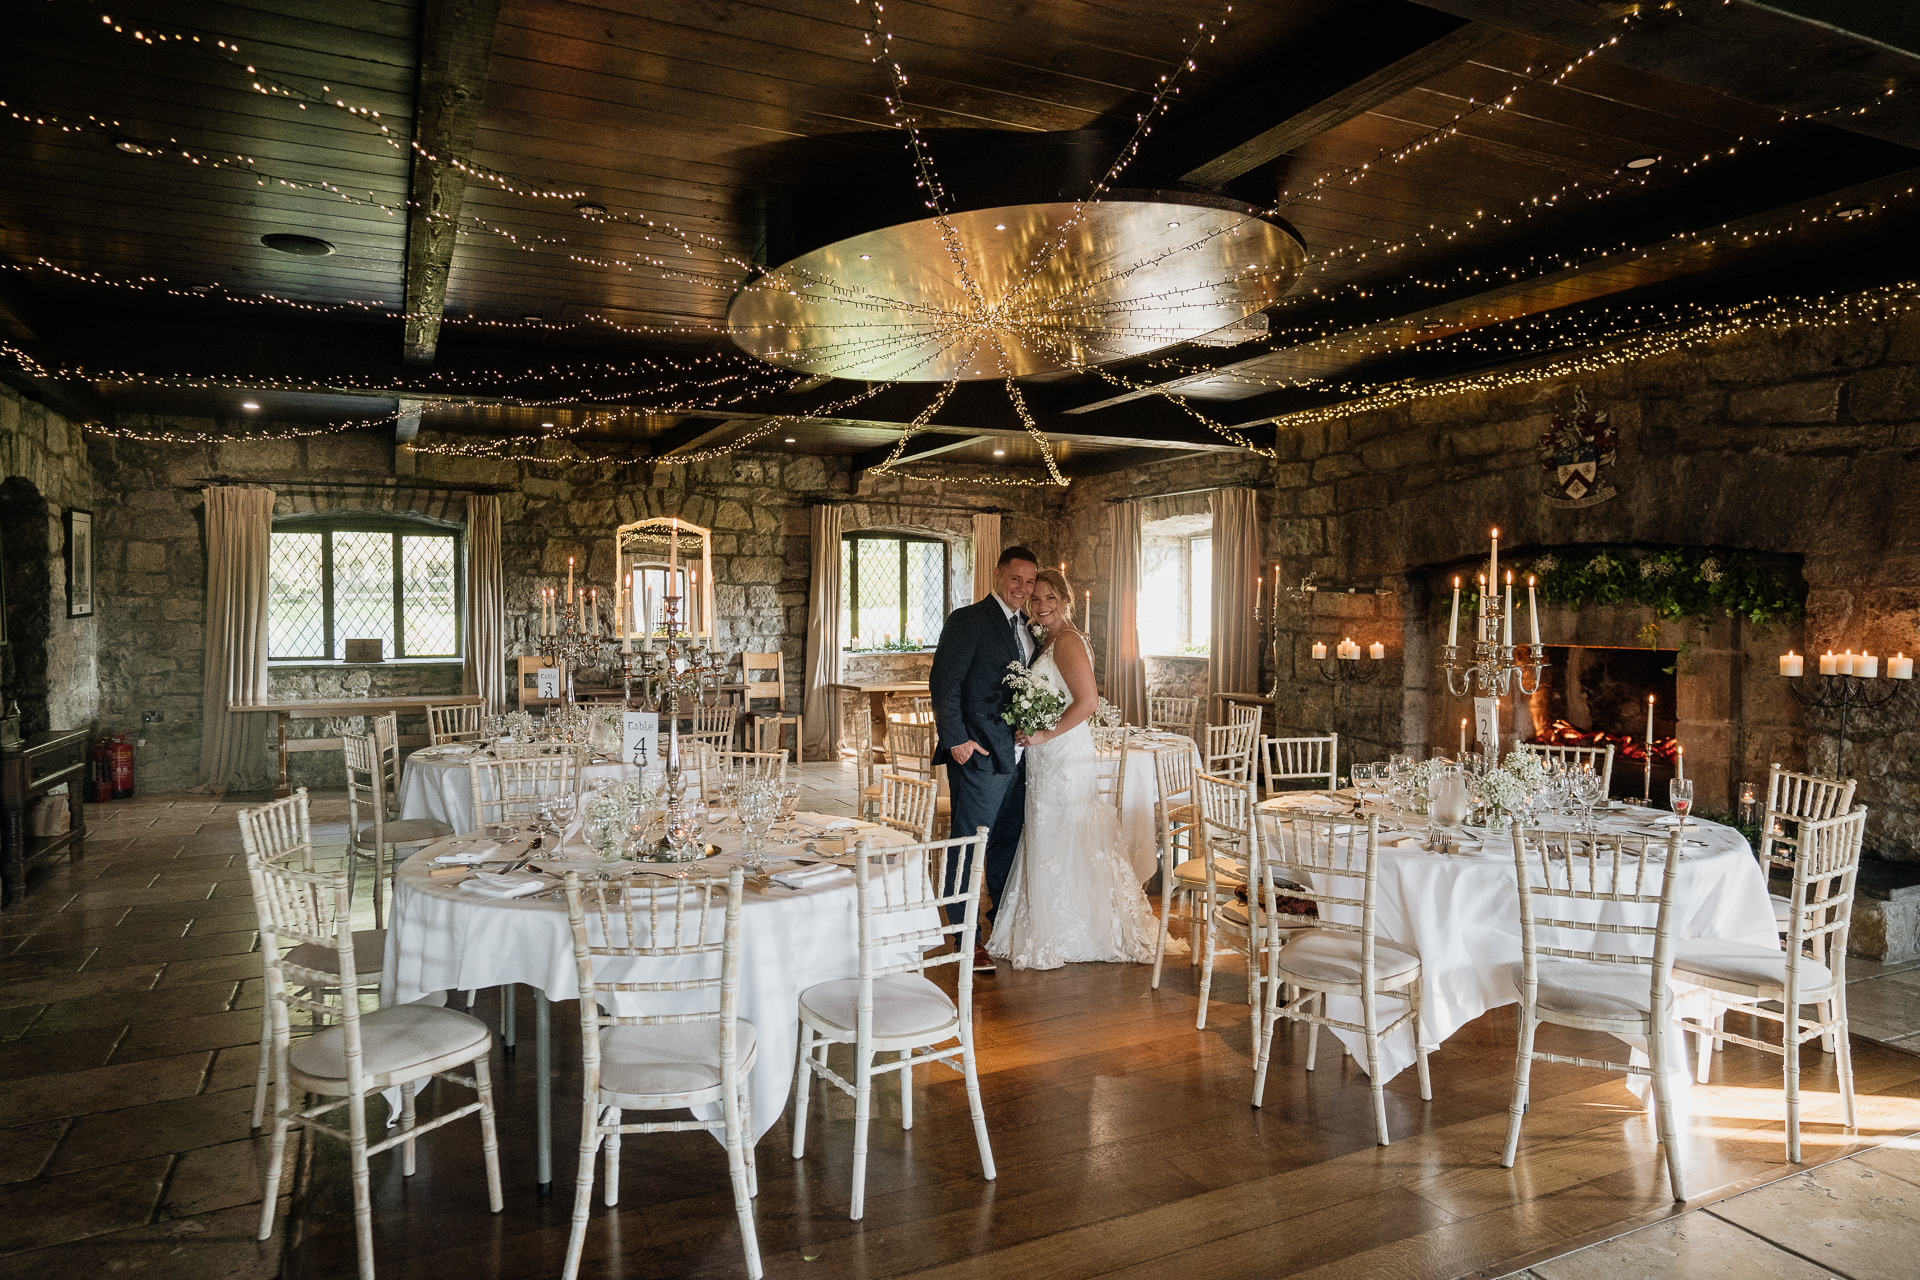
{"points": [[1036, 705]]}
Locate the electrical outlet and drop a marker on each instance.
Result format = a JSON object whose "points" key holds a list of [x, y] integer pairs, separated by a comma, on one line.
{"points": [[139, 742]]}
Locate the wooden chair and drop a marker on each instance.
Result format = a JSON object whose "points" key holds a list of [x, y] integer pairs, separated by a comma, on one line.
{"points": [[1173, 715], [1230, 750], [1618, 991], [1793, 799], [359, 1053], [1599, 759], [1811, 971], [1231, 835], [514, 791], [907, 804], [457, 723], [909, 751], [910, 710], [672, 1060], [279, 833], [1315, 760], [1176, 816], [1334, 958], [529, 682], [367, 798], [760, 726], [892, 1005]]}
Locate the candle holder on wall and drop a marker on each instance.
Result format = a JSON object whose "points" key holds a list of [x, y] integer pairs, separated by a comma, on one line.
{"points": [[1843, 694], [1350, 670]]}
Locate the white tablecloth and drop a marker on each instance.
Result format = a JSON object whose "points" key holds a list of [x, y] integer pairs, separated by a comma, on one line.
{"points": [[1462, 914], [1139, 832], [443, 938], [433, 786]]}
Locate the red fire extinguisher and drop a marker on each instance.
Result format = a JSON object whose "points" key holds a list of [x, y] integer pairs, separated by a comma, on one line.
{"points": [[120, 761], [100, 774]]}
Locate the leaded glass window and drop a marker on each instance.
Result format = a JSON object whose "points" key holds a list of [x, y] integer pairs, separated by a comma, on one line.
{"points": [[331, 580], [893, 590]]}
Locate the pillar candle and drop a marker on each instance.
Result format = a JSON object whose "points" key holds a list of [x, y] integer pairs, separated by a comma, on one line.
{"points": [[1533, 615], [1829, 665], [1866, 665], [1899, 667], [1845, 664], [1377, 651], [1792, 664], [1319, 652], [1453, 623]]}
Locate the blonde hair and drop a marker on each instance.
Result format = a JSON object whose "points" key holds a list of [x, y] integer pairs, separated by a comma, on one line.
{"points": [[1058, 581]]}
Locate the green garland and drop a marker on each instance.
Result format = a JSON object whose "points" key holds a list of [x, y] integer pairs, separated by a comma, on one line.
{"points": [[1675, 583]]}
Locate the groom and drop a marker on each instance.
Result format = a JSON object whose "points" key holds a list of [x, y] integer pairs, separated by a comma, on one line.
{"points": [[985, 772]]}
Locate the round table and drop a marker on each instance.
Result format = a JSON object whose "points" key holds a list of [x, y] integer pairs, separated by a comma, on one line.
{"points": [[438, 783], [1461, 912], [443, 938], [1139, 829]]}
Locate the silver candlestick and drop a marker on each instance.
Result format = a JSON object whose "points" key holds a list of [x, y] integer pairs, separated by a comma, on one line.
{"points": [[679, 666]]}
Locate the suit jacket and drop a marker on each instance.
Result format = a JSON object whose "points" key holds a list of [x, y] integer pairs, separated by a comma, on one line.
{"points": [[969, 667]]}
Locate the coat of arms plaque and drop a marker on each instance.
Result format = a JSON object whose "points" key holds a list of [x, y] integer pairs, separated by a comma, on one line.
{"points": [[1575, 452]]}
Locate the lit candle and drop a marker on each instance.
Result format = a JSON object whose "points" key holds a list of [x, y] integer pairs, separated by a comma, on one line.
{"points": [[1349, 650], [593, 611], [1866, 665], [1680, 764], [1259, 584], [1649, 729], [1533, 615], [1829, 665], [1483, 605], [1319, 652], [1792, 664], [1086, 614], [1453, 623], [1899, 667], [1493, 568], [1846, 663], [1377, 651], [569, 579], [1463, 739], [1508, 639]]}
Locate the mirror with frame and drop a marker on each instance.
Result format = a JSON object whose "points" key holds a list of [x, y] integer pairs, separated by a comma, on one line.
{"points": [[643, 550]]}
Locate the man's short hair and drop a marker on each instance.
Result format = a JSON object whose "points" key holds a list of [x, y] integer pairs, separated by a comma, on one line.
{"points": [[1017, 553]]}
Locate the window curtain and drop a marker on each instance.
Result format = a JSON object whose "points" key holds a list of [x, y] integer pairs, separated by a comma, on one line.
{"points": [[1126, 668], [486, 663], [1235, 659], [986, 554], [823, 638], [233, 752]]}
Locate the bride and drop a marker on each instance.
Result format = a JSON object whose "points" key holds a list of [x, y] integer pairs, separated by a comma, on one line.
{"points": [[1072, 895]]}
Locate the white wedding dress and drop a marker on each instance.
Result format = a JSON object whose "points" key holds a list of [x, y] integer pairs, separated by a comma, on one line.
{"points": [[1072, 895]]}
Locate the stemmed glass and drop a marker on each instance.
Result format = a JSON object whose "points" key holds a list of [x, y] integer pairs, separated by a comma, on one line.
{"points": [[789, 800], [758, 803], [1680, 797], [1589, 788]]}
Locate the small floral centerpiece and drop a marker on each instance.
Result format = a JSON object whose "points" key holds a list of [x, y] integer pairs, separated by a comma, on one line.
{"points": [[1035, 705], [610, 812], [1502, 792], [518, 725]]}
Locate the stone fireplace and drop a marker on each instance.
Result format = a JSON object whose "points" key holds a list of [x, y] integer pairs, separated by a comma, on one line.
{"points": [[1603, 689]]}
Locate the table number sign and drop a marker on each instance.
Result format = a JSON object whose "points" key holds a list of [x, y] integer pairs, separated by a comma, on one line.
{"points": [[1486, 725], [548, 685], [639, 736]]}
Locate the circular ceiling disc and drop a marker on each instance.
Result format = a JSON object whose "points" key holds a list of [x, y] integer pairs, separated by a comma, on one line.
{"points": [[1045, 287]]}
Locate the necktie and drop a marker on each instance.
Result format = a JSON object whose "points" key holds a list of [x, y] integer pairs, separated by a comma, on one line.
{"points": [[1019, 637]]}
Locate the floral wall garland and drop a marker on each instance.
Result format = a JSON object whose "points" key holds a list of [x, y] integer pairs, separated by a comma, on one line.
{"points": [[1675, 583]]}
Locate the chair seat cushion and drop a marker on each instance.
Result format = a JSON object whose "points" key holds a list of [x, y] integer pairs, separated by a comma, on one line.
{"points": [[1589, 989], [369, 954], [675, 1059], [904, 1004], [409, 831], [1333, 955], [1194, 871], [1235, 912], [392, 1040], [1743, 966]]}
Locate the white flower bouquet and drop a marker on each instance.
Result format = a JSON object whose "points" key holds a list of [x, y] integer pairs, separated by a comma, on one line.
{"points": [[1499, 789], [1526, 766], [1036, 705]]}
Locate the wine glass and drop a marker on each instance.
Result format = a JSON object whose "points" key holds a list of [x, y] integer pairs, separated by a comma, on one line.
{"points": [[789, 800], [1680, 798], [1589, 788], [757, 803]]}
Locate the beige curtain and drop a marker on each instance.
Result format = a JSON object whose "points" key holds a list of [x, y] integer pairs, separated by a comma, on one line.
{"points": [[1126, 668], [823, 638], [239, 540], [1235, 658], [986, 552], [486, 664]]}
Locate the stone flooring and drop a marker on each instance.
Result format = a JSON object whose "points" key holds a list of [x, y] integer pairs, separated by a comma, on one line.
{"points": [[1883, 1002], [1857, 1219]]}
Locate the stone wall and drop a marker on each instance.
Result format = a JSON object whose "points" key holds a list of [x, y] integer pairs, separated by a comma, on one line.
{"points": [[1171, 676], [50, 665], [1803, 443]]}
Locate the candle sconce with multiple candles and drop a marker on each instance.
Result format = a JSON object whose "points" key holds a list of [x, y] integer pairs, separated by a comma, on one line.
{"points": [[1847, 681], [1346, 665], [1495, 667]]}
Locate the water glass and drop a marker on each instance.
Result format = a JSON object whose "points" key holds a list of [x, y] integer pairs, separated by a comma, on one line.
{"points": [[789, 800]]}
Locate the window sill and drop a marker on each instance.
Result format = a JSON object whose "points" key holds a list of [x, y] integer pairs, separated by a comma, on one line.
{"points": [[282, 664], [1178, 657]]}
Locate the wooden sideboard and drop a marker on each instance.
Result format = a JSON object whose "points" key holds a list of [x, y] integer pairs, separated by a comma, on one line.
{"points": [[28, 770]]}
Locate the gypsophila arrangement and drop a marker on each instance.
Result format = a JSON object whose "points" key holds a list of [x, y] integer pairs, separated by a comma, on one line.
{"points": [[1035, 705], [1499, 789], [1425, 772], [1527, 767], [518, 725]]}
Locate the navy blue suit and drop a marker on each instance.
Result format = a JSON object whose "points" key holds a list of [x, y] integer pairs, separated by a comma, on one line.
{"points": [[969, 695]]}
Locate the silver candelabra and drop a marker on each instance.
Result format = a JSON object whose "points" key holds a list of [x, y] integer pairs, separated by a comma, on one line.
{"points": [[1493, 670], [678, 666]]}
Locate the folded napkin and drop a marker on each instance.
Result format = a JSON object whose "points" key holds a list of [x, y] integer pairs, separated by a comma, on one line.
{"points": [[489, 884], [842, 824], [1665, 820], [476, 851], [1405, 842], [801, 877]]}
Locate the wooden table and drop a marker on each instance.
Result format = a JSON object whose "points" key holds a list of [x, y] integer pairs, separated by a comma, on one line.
{"points": [[877, 695], [308, 709]]}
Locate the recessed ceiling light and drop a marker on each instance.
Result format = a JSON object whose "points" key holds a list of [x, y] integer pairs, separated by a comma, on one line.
{"points": [[132, 147], [1643, 162], [866, 257], [1848, 215], [248, 404], [789, 439], [587, 209], [999, 226], [999, 453], [299, 246], [546, 424], [1173, 224], [533, 319]]}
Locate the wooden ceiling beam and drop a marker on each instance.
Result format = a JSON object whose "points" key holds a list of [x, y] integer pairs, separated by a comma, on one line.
{"points": [[456, 47], [923, 446], [693, 435]]}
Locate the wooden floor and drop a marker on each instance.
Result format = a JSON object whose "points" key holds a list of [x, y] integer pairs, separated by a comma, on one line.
{"points": [[1125, 1140]]}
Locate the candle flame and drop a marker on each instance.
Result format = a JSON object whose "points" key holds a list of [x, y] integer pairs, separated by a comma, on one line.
{"points": [[1496, 533], [1530, 580]]}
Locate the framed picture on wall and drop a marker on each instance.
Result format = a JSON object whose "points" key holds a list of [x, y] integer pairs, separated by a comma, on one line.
{"points": [[79, 563]]}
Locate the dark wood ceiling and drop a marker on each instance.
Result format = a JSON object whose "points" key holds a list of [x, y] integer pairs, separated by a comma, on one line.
{"points": [[1457, 169]]}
